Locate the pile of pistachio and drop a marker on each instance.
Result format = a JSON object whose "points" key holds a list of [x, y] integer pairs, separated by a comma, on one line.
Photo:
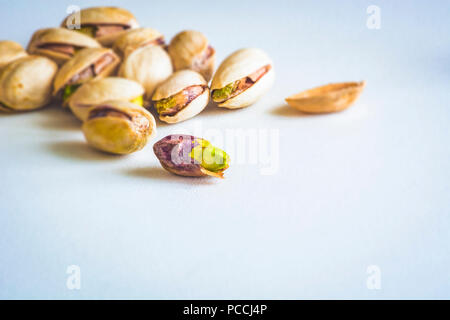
{"points": [[109, 71]]}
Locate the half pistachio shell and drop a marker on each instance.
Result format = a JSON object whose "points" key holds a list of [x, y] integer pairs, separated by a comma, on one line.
{"points": [[119, 127], [105, 24], [190, 156], [182, 96], [26, 83], [242, 78], [98, 91], [329, 98], [10, 51], [150, 66], [87, 64], [137, 38], [192, 50], [59, 44]]}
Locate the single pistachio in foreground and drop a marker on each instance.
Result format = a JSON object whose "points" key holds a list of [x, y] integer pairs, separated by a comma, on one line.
{"points": [[26, 83], [329, 98], [10, 51], [190, 156], [98, 91], [192, 50], [242, 78], [182, 96], [105, 24], [119, 127], [137, 38]]}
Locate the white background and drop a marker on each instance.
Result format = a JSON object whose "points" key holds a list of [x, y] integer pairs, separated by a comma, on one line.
{"points": [[368, 186]]}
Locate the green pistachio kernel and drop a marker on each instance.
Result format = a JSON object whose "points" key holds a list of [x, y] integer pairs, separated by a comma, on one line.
{"points": [[165, 104], [69, 90], [89, 31], [223, 94], [139, 101], [210, 158]]}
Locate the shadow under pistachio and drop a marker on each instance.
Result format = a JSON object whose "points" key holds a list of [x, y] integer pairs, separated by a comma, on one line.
{"points": [[59, 118], [285, 110], [159, 173], [212, 109], [80, 151]]}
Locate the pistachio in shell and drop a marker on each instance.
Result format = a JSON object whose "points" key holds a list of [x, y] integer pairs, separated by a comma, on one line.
{"points": [[26, 83], [190, 156], [191, 50], [182, 96], [10, 51], [242, 79], [150, 66], [118, 127], [332, 97], [137, 38], [105, 24], [98, 91], [87, 64], [59, 44]]}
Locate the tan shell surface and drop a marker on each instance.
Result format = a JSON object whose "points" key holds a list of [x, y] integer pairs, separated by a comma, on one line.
{"points": [[150, 66], [10, 51], [328, 98], [26, 83], [134, 39], [178, 82], [98, 91], [83, 59]]}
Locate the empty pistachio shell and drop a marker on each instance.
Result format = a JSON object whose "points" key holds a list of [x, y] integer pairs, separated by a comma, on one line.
{"points": [[150, 66], [119, 127], [191, 50], [10, 51], [105, 24], [329, 98], [182, 96], [26, 83], [98, 91], [87, 64], [59, 44], [137, 38], [242, 78], [189, 156]]}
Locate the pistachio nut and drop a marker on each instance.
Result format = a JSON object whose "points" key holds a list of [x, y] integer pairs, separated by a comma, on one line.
{"points": [[118, 127], [182, 96], [10, 51], [189, 156], [137, 38], [26, 83], [242, 78], [329, 98], [150, 66], [59, 44], [87, 64], [191, 50], [98, 91], [105, 24]]}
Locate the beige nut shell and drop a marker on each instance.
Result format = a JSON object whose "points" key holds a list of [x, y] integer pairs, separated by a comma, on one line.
{"points": [[239, 65], [134, 39], [59, 36], [175, 84], [333, 97], [83, 59], [10, 51], [150, 66], [98, 91], [26, 83]]}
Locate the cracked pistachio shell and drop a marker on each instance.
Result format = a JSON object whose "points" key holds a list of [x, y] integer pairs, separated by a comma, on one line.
{"points": [[175, 84], [26, 83], [59, 36], [239, 65], [10, 51], [137, 38], [82, 60], [188, 50], [190, 156], [98, 91], [150, 66], [119, 127], [333, 97], [103, 16]]}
